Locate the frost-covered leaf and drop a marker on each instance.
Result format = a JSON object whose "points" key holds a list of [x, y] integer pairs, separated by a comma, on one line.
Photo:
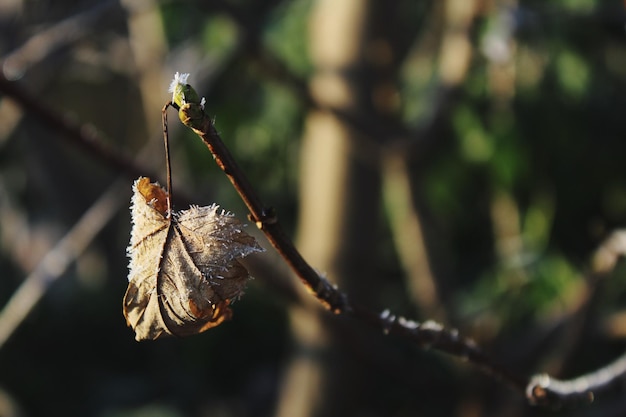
{"points": [[183, 270]]}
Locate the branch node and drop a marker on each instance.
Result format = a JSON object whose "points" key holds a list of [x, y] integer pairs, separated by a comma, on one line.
{"points": [[387, 321], [268, 216], [333, 300]]}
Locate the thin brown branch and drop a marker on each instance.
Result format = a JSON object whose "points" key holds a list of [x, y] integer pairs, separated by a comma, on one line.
{"points": [[266, 220], [427, 334]]}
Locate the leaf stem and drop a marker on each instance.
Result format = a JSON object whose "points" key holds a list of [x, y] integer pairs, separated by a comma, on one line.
{"points": [[167, 158]]}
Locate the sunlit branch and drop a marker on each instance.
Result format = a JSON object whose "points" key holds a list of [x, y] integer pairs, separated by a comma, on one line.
{"points": [[427, 334]]}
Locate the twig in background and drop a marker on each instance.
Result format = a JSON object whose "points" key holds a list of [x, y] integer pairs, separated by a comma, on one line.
{"points": [[405, 221], [546, 390], [60, 35], [56, 261], [610, 251], [85, 137]]}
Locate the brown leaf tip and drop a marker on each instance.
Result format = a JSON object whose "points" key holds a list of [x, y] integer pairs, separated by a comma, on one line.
{"points": [[153, 193]]}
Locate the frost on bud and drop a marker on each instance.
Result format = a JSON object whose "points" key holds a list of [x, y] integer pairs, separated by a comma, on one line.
{"points": [[182, 93], [184, 270], [190, 105]]}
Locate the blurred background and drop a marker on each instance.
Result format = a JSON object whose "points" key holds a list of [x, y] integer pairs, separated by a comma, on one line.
{"points": [[458, 160]]}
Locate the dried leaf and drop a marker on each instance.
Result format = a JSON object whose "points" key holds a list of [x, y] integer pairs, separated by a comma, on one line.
{"points": [[184, 271]]}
